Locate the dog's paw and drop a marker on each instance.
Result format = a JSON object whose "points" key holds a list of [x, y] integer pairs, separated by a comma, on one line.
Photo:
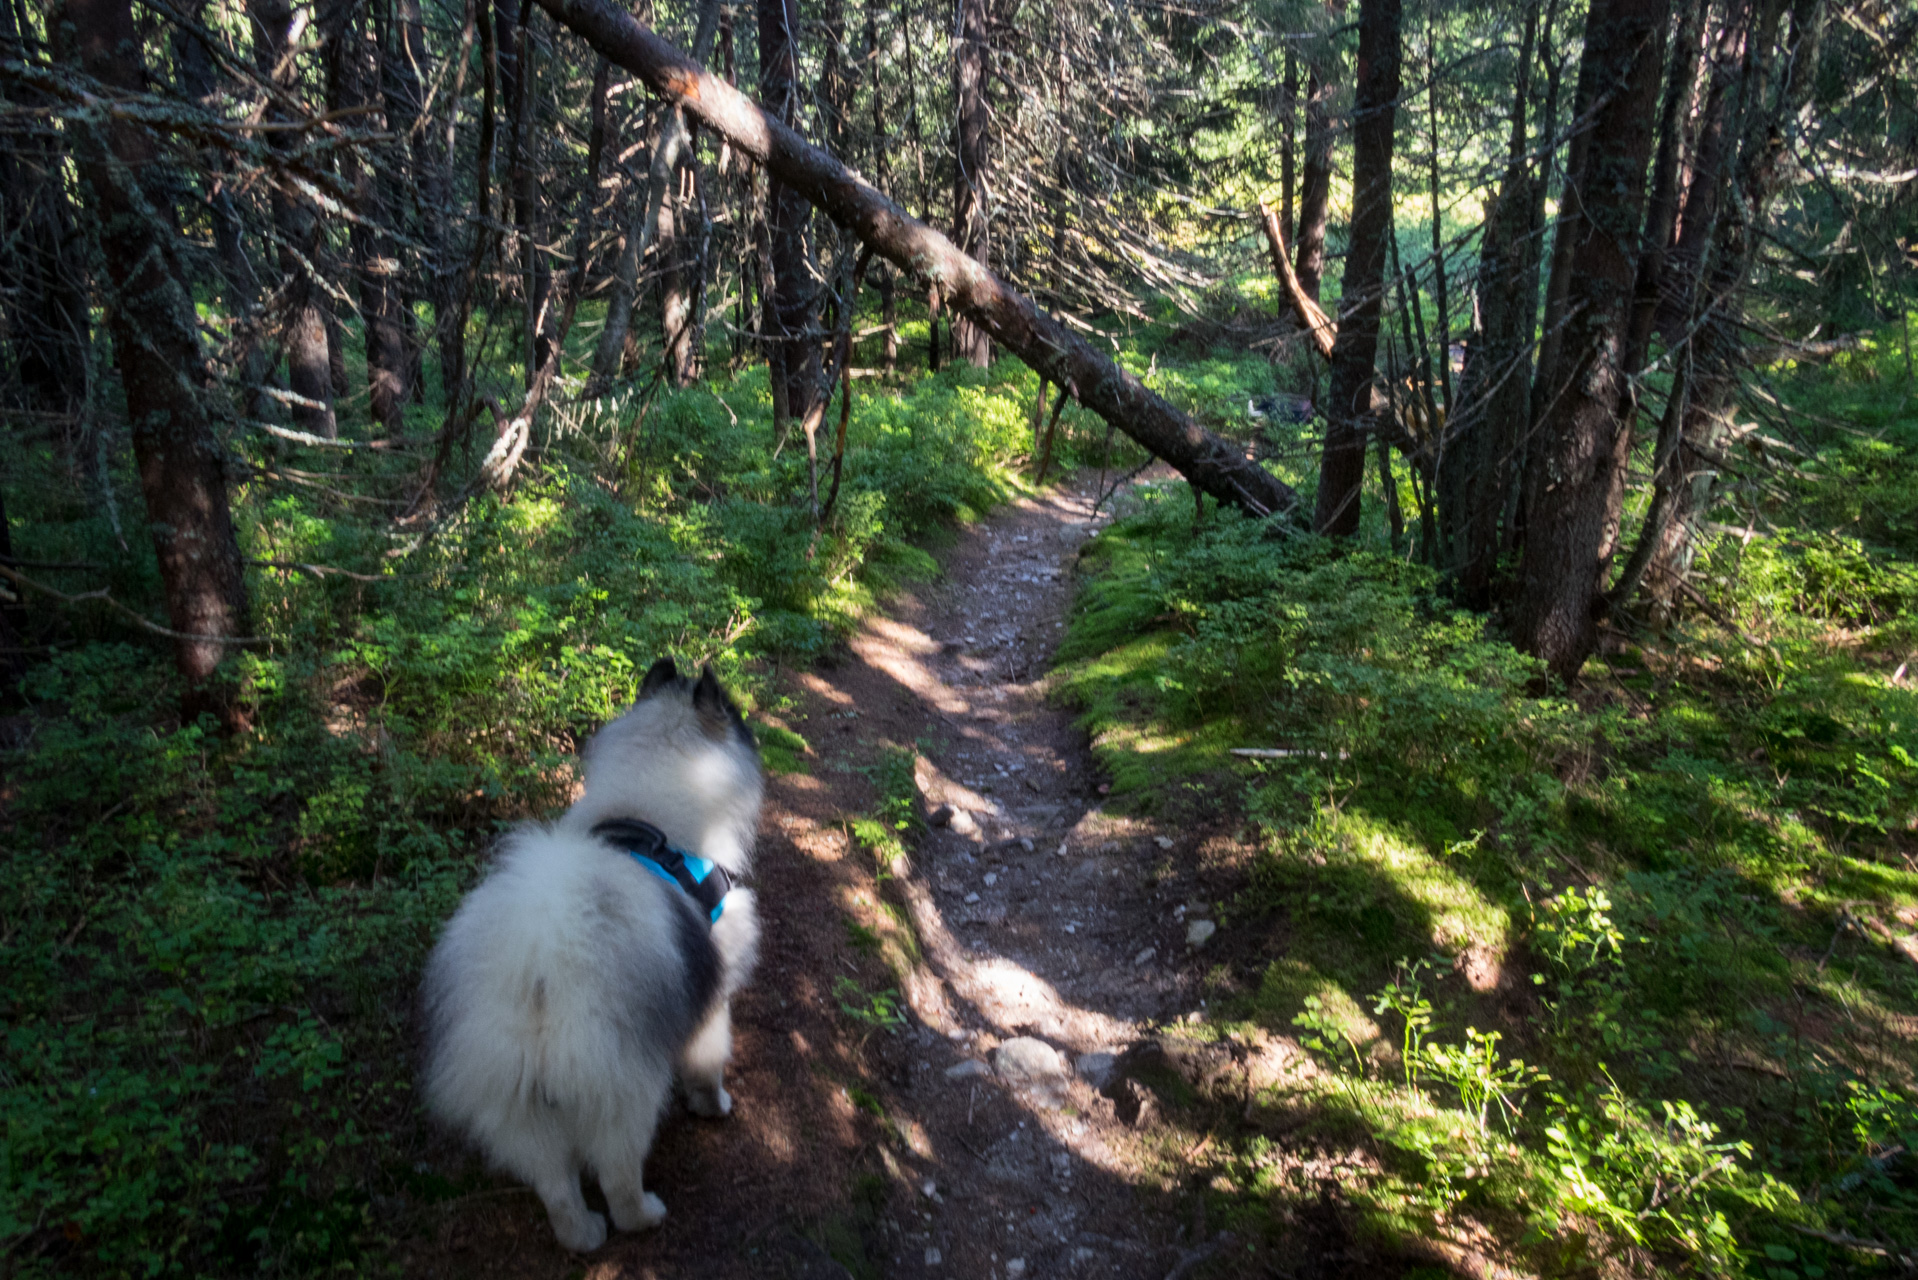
{"points": [[649, 1213], [583, 1233], [712, 1103]]}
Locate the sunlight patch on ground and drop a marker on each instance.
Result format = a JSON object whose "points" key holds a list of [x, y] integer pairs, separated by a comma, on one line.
{"points": [[1461, 915], [898, 650]]}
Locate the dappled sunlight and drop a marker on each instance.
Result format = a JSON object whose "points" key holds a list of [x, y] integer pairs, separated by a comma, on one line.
{"points": [[1461, 915]]}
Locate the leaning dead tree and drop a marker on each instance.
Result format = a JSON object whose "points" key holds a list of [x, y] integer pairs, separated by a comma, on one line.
{"points": [[1213, 465]]}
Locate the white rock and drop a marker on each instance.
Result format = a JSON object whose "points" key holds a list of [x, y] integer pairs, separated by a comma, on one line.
{"points": [[1016, 1267], [1024, 1060], [1198, 931], [992, 878], [1164, 842], [963, 822], [1025, 842], [1144, 956], [967, 1070], [972, 897], [933, 1258]]}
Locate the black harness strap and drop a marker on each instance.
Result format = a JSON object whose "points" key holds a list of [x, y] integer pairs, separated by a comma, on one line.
{"points": [[703, 880]]}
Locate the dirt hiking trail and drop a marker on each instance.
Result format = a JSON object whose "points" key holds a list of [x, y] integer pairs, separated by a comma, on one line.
{"points": [[1040, 937]]}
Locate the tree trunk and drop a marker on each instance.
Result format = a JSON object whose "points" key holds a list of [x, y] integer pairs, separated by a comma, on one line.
{"points": [[795, 306], [1476, 460], [1778, 80], [451, 283], [1315, 187], [1214, 466], [309, 364], [971, 188], [887, 283], [1558, 275], [1661, 207], [416, 178], [1289, 115], [536, 276], [150, 315], [1573, 485], [677, 253], [1355, 351], [375, 260], [1441, 297], [1710, 177]]}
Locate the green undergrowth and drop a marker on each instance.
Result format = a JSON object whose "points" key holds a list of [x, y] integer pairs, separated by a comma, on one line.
{"points": [[211, 942], [1624, 978]]}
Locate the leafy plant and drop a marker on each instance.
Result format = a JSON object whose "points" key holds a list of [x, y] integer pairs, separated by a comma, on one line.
{"points": [[1405, 996], [881, 1010], [1482, 1081]]}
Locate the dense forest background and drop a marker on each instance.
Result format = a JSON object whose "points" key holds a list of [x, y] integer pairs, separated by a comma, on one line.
{"points": [[385, 383]]}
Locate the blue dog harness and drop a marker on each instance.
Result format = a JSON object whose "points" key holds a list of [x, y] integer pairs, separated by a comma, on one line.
{"points": [[704, 880]]}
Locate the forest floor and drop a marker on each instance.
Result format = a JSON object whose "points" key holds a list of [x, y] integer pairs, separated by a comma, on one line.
{"points": [[950, 1124]]}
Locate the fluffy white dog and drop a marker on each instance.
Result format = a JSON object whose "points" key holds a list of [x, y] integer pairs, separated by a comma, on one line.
{"points": [[599, 957]]}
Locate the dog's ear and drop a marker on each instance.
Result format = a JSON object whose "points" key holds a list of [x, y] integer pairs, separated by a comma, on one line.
{"points": [[659, 676], [715, 710]]}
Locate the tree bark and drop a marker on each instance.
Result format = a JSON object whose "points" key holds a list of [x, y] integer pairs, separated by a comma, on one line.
{"points": [[795, 305], [1661, 208], [536, 276], [1710, 177], [971, 188], [416, 178], [150, 315], [677, 265], [1213, 465], [1289, 115], [1355, 351], [1573, 483]]}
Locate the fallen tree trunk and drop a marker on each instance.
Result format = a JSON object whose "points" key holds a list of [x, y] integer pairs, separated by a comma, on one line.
{"points": [[1212, 464]]}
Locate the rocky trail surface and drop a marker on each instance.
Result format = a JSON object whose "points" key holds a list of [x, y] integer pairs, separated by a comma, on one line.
{"points": [[941, 1116]]}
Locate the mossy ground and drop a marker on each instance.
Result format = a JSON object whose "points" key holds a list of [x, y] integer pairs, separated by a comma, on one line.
{"points": [[1621, 975]]}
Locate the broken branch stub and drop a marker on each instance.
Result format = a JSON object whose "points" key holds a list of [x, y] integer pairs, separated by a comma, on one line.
{"points": [[1212, 464]]}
